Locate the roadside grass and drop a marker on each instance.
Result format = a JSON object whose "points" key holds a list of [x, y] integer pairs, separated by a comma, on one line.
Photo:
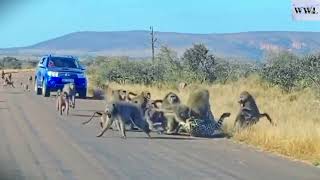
{"points": [[17, 70], [297, 134]]}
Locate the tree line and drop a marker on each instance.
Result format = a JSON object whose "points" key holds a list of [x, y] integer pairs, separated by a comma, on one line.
{"points": [[198, 65], [14, 63]]}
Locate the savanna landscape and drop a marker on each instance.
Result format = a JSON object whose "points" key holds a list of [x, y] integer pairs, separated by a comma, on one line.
{"points": [[140, 90]]}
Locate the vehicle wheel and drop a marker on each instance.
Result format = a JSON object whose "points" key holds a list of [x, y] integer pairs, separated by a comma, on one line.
{"points": [[45, 90], [36, 89], [83, 93]]}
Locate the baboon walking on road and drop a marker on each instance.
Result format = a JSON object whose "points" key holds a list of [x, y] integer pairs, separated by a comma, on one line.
{"points": [[249, 113], [70, 89], [62, 102], [119, 95], [122, 112]]}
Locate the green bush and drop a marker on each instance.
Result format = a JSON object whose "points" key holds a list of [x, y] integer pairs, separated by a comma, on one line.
{"points": [[10, 63], [197, 65]]}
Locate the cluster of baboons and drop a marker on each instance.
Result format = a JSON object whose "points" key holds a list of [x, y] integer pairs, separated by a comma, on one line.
{"points": [[168, 115], [7, 80]]}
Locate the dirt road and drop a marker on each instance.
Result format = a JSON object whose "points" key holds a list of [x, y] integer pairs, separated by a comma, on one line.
{"points": [[37, 143]]}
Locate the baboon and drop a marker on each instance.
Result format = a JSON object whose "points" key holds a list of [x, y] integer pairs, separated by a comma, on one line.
{"points": [[175, 114], [176, 117], [10, 77], [249, 113], [70, 89], [2, 74], [153, 116], [26, 87], [122, 112], [62, 102], [169, 100], [8, 83], [115, 96], [30, 79], [199, 103], [118, 95], [142, 100]]}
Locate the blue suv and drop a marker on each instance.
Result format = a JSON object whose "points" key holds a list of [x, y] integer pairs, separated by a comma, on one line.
{"points": [[54, 71]]}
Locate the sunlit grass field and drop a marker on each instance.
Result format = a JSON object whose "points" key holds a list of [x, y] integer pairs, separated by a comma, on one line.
{"points": [[297, 115]]}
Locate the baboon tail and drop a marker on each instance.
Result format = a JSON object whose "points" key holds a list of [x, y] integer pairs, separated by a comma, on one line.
{"points": [[131, 94], [268, 117], [156, 102], [86, 122]]}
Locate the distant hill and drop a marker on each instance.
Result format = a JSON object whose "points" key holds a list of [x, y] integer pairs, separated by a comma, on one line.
{"points": [[251, 45]]}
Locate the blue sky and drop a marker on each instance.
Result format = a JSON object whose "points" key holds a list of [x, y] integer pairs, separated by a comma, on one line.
{"points": [[26, 22]]}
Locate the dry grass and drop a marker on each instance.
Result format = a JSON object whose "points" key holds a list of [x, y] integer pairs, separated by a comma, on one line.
{"points": [[297, 133], [18, 70]]}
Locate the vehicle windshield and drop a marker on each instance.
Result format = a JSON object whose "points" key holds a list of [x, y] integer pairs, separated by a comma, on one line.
{"points": [[62, 62]]}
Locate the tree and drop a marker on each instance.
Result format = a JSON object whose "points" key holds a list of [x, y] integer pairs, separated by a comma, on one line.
{"points": [[197, 59], [11, 63], [311, 69], [283, 69]]}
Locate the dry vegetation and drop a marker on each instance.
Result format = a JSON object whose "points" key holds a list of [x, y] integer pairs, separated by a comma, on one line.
{"points": [[297, 133]]}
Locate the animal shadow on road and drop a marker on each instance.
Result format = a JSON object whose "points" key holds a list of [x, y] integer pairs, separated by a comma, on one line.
{"points": [[15, 92], [92, 98]]}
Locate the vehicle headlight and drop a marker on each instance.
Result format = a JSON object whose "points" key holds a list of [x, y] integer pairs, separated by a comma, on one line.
{"points": [[81, 75], [53, 73]]}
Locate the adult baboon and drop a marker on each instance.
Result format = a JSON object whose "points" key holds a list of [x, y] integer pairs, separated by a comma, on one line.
{"points": [[199, 103], [122, 112], [70, 89], [153, 116], [169, 100], [62, 102], [249, 113], [174, 112], [119, 95]]}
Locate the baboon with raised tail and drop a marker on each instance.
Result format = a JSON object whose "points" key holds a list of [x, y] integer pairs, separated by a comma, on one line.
{"points": [[249, 113], [122, 112]]}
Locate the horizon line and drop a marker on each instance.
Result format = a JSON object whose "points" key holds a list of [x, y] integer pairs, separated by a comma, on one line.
{"points": [[190, 33]]}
